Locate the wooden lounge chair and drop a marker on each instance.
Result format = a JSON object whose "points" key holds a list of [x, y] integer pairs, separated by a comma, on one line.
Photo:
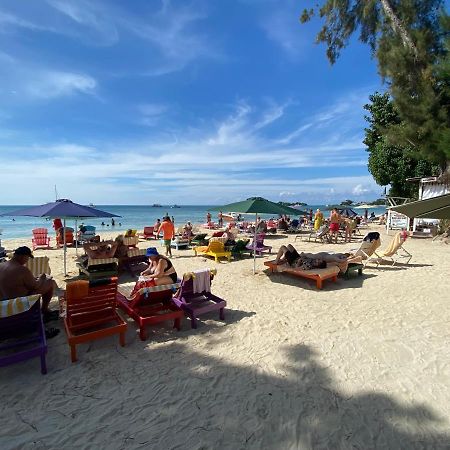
{"points": [[91, 314], [318, 275], [394, 251], [134, 259], [22, 329], [39, 265], [131, 241], [150, 306], [148, 233], [69, 238], [195, 298], [215, 249], [40, 238]]}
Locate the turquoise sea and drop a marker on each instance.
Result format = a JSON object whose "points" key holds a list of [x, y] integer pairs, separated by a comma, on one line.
{"points": [[131, 217]]}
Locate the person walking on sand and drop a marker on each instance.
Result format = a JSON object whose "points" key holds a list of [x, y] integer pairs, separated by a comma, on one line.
{"points": [[318, 219], [335, 219], [168, 231], [220, 219]]}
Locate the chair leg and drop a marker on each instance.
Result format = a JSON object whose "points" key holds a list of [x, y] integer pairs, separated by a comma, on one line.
{"points": [[73, 352], [193, 321], [221, 314], [142, 333], [122, 339], [43, 364], [177, 323], [319, 283]]}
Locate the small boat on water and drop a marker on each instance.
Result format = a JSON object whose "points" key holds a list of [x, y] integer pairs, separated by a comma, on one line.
{"points": [[175, 206], [156, 205], [230, 217], [91, 205]]}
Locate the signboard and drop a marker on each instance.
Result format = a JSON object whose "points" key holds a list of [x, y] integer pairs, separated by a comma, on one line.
{"points": [[398, 221]]}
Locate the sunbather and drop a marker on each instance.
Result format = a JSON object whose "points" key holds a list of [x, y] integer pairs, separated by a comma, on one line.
{"points": [[16, 280], [101, 250], [160, 268], [288, 254]]}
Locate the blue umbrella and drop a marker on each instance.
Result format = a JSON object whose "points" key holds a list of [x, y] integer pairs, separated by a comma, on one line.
{"points": [[64, 209]]}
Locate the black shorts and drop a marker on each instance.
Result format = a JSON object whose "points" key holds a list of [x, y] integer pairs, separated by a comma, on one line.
{"points": [[291, 256]]}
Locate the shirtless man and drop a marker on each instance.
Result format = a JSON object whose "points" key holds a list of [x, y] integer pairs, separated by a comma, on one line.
{"points": [[16, 280]]}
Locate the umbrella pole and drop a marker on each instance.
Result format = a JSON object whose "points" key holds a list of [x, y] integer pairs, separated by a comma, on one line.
{"points": [[76, 238], [254, 245], [65, 248]]}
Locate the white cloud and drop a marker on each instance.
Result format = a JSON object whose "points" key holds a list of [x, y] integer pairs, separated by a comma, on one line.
{"points": [[51, 84], [359, 189]]}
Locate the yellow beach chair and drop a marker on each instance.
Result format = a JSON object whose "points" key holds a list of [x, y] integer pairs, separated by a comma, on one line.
{"points": [[394, 251], [215, 249]]}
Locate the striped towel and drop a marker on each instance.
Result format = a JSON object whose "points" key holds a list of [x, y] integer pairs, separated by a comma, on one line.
{"points": [[97, 262], [136, 252], [17, 305]]}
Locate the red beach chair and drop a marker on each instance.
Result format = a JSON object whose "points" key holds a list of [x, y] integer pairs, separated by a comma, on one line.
{"points": [[40, 239], [149, 233]]}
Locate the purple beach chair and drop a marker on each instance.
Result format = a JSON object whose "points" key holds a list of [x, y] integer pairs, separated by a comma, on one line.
{"points": [[196, 299], [25, 332], [258, 246]]}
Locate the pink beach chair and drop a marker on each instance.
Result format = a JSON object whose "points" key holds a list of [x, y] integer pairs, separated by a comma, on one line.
{"points": [[41, 238]]}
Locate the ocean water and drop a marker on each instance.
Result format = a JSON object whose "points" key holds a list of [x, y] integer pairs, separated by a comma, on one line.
{"points": [[135, 217]]}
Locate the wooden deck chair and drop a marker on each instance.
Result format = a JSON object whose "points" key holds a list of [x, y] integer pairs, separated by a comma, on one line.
{"points": [[148, 233], [149, 306], [258, 246], [39, 265], [69, 238], [22, 330], [368, 247], [215, 249], [90, 313], [195, 298], [40, 238], [394, 251]]}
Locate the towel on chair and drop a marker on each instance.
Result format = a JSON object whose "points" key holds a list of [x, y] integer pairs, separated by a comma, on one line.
{"points": [[77, 289], [202, 281]]}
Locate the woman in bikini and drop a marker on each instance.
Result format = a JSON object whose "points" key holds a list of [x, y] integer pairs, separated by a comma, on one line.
{"points": [[160, 268]]}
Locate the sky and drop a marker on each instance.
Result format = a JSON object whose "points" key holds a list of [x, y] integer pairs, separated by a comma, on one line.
{"points": [[187, 102]]}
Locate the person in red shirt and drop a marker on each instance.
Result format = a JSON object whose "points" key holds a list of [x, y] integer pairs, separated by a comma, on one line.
{"points": [[168, 231]]}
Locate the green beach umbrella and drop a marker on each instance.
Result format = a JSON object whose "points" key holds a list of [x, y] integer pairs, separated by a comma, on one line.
{"points": [[430, 208], [257, 205]]}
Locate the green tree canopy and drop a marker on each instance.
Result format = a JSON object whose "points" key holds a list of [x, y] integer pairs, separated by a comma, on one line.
{"points": [[409, 38], [391, 164]]}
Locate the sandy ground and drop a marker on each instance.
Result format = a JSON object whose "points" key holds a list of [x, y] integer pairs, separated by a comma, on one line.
{"points": [[362, 364]]}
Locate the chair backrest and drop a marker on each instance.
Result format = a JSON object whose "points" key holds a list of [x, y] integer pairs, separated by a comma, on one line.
{"points": [[394, 245], [15, 319], [100, 299], [148, 230], [40, 235], [369, 244], [187, 284], [131, 241], [241, 245], [199, 237], [89, 229], [39, 265], [216, 247], [260, 238]]}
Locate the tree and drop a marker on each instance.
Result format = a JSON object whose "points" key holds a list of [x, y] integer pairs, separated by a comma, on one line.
{"points": [[409, 38], [391, 164]]}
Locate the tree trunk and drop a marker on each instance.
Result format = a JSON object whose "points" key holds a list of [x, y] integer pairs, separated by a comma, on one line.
{"points": [[398, 27]]}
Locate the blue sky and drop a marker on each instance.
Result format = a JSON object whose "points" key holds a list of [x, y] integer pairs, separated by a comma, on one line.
{"points": [[188, 101]]}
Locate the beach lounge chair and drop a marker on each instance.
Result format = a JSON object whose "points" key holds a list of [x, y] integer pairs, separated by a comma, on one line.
{"points": [[368, 247], [199, 239], [318, 275], [87, 234], [215, 249], [90, 313], [40, 238], [69, 238], [39, 265], [321, 235], [258, 246], [240, 248], [180, 242], [98, 268], [131, 241], [150, 306], [22, 330], [148, 233], [394, 251], [195, 298], [135, 258]]}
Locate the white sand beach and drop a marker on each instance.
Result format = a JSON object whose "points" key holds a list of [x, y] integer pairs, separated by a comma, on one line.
{"points": [[362, 364]]}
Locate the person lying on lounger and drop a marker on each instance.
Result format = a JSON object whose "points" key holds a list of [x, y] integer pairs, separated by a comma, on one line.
{"points": [[101, 250], [288, 254]]}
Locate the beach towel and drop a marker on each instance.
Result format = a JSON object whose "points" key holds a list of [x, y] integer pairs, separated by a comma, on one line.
{"points": [[202, 281], [395, 244], [17, 305]]}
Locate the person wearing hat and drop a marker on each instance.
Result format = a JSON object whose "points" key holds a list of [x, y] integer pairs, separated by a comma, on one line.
{"points": [[160, 268], [16, 280]]}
